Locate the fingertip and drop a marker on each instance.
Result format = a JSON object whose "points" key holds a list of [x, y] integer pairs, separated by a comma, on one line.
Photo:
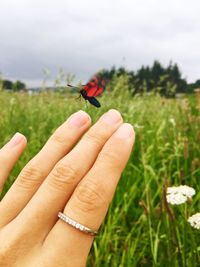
{"points": [[17, 139], [113, 116], [125, 131], [24, 139], [79, 119]]}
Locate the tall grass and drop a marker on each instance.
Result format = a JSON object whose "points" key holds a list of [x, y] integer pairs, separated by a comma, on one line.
{"points": [[140, 228]]}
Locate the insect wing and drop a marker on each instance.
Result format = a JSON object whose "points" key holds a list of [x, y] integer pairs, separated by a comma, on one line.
{"points": [[94, 91], [94, 87]]}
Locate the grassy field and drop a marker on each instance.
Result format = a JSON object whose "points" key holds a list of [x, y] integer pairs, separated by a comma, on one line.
{"points": [[140, 228]]}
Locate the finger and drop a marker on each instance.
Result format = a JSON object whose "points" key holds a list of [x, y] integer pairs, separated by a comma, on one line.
{"points": [[59, 185], [9, 154], [91, 198], [34, 173]]}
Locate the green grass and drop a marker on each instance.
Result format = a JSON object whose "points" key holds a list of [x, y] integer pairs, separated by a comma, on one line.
{"points": [[140, 228]]}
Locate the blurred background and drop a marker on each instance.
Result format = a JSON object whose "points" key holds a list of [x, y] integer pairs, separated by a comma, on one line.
{"points": [[39, 38], [148, 53]]}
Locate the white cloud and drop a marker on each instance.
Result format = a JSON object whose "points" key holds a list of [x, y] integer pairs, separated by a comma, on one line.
{"points": [[83, 36]]}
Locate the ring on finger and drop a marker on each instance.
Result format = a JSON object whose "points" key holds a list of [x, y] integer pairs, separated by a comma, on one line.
{"points": [[77, 225]]}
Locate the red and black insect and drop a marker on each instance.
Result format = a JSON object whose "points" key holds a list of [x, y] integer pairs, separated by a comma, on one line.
{"points": [[92, 89]]}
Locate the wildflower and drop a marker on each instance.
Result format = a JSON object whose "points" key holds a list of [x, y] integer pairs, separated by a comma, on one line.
{"points": [[12, 101], [177, 195], [138, 126], [172, 121], [176, 199], [194, 220]]}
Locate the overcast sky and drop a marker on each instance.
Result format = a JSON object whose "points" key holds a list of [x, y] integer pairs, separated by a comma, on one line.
{"points": [[83, 36]]}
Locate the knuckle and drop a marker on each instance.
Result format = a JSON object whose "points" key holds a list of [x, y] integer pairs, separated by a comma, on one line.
{"points": [[30, 176], [62, 174], [110, 158], [95, 138], [58, 138], [90, 196]]}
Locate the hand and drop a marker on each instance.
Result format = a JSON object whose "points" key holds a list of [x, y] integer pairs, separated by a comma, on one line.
{"points": [[78, 179]]}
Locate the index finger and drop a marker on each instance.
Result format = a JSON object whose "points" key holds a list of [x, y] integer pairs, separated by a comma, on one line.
{"points": [[34, 173]]}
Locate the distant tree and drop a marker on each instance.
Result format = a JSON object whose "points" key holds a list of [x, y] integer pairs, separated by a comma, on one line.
{"points": [[174, 75], [108, 74], [156, 72], [197, 83], [18, 86], [142, 79], [121, 71], [193, 86], [6, 84]]}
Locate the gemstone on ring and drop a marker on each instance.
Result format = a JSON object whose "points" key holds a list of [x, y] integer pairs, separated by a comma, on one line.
{"points": [[76, 225]]}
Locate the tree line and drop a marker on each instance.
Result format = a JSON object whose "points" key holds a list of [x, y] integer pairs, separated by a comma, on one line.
{"points": [[14, 86], [168, 81]]}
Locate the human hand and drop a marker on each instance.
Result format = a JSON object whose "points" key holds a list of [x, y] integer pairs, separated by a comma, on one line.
{"points": [[76, 178]]}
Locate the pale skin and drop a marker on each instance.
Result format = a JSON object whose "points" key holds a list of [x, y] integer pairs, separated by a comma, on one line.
{"points": [[76, 172]]}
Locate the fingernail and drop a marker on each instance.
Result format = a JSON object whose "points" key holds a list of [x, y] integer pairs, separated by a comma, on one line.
{"points": [[112, 116], [78, 119], [15, 140], [125, 131]]}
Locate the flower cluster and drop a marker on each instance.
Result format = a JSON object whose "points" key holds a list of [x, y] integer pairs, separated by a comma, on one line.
{"points": [[177, 195], [194, 220]]}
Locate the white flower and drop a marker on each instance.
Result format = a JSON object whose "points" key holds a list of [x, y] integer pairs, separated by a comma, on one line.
{"points": [[176, 199], [183, 189], [177, 195], [138, 126], [194, 220], [172, 121]]}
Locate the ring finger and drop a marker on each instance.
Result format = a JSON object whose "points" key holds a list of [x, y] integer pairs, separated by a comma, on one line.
{"points": [[90, 200]]}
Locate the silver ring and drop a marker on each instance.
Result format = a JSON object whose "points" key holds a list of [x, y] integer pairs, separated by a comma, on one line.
{"points": [[76, 225]]}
